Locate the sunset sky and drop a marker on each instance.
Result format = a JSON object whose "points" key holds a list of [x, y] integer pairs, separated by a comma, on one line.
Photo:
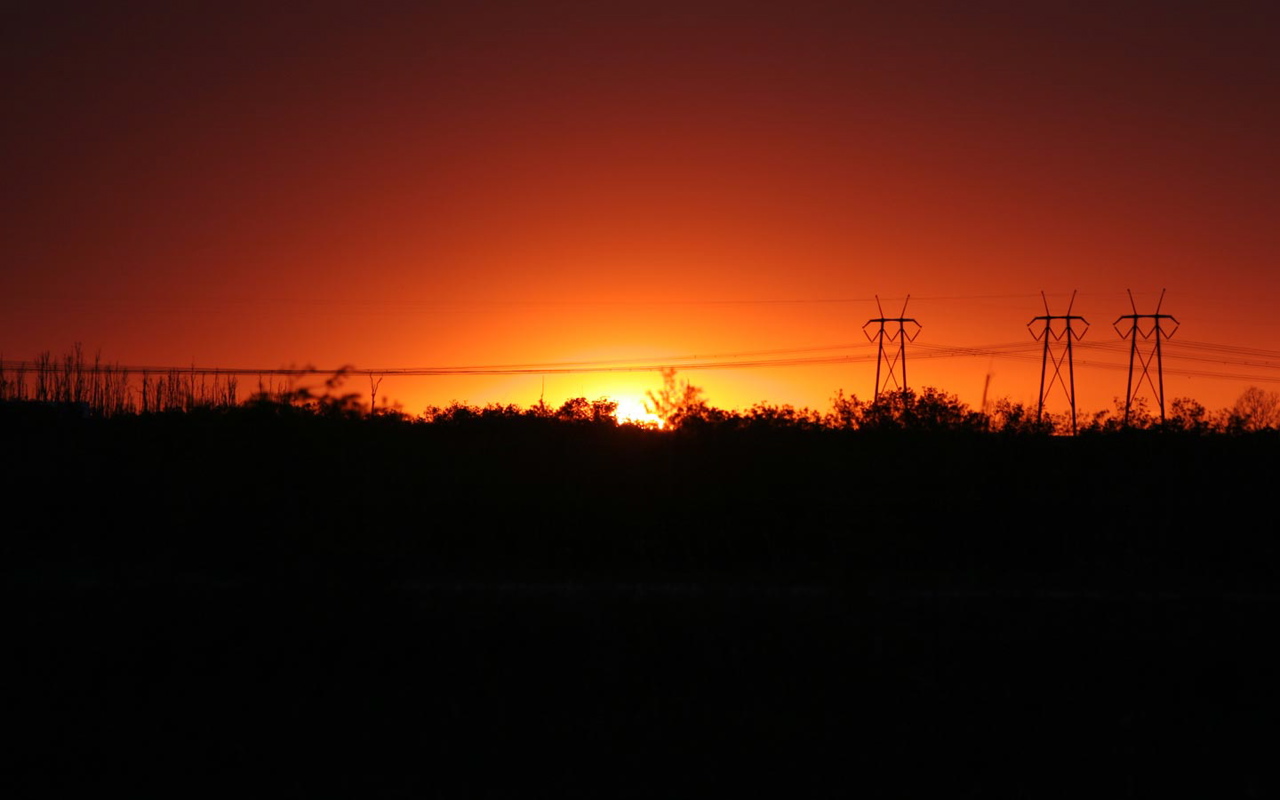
{"points": [[266, 184]]}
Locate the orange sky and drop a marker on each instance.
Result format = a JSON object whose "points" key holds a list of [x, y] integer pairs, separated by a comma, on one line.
{"points": [[386, 186]]}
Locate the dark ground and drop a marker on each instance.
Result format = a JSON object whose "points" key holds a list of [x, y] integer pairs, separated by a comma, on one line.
{"points": [[303, 607]]}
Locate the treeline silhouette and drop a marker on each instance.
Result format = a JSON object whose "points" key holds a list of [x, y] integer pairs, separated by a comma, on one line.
{"points": [[72, 384], [905, 597], [566, 490]]}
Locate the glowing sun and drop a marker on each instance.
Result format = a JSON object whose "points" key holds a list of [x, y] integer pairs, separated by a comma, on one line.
{"points": [[632, 410]]}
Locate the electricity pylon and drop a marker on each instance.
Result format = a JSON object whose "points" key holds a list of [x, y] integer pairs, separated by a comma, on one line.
{"points": [[1066, 335], [891, 361], [1144, 358]]}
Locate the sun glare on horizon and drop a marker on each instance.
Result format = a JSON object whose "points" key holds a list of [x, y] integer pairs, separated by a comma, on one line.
{"points": [[631, 410]]}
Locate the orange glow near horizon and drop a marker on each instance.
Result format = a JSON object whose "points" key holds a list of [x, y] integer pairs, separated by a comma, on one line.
{"points": [[634, 411], [538, 185]]}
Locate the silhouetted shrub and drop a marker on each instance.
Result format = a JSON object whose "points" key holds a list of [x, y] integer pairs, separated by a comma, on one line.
{"points": [[930, 410], [1008, 417]]}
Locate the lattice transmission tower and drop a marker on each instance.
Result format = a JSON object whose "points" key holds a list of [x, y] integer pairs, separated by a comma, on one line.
{"points": [[894, 364], [1062, 336], [1153, 334]]}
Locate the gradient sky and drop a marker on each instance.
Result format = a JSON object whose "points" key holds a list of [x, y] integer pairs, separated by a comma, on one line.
{"points": [[411, 184]]}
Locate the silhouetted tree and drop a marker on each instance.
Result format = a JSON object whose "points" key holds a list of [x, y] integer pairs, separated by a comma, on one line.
{"points": [[1257, 409], [678, 402], [930, 410], [764, 415], [1188, 416], [1009, 417], [455, 412], [604, 411], [846, 412], [327, 403], [579, 409], [1110, 421], [575, 409]]}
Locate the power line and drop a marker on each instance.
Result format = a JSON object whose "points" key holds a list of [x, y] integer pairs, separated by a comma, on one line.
{"points": [[1229, 355]]}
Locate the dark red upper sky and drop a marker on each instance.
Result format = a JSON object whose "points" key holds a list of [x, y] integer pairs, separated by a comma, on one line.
{"points": [[396, 184]]}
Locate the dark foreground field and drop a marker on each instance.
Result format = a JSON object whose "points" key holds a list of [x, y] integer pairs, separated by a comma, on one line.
{"points": [[254, 605]]}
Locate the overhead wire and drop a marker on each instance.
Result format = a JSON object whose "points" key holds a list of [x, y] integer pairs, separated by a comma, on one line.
{"points": [[852, 353]]}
